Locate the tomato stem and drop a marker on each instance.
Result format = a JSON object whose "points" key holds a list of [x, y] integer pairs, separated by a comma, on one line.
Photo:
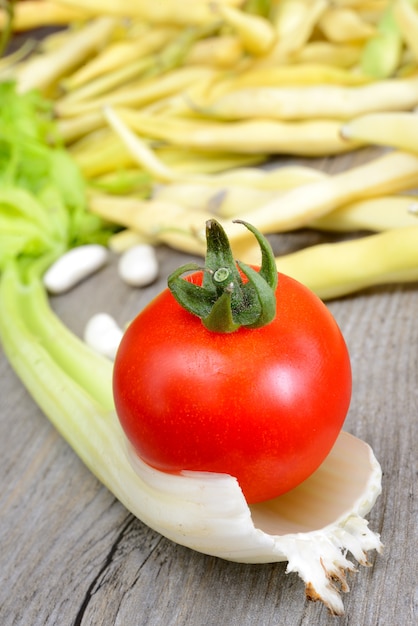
{"points": [[232, 294]]}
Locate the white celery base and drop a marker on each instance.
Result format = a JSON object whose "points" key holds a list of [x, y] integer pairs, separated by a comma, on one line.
{"points": [[312, 527]]}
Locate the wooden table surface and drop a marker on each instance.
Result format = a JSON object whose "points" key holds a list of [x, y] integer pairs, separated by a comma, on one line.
{"points": [[71, 555]]}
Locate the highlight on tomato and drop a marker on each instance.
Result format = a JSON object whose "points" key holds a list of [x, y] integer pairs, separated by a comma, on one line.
{"points": [[236, 370]]}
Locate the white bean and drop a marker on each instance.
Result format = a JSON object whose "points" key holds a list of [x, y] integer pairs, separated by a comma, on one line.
{"points": [[138, 266], [103, 334], [74, 266]]}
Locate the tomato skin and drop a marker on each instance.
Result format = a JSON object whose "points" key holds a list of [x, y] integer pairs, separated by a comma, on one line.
{"points": [[264, 405]]}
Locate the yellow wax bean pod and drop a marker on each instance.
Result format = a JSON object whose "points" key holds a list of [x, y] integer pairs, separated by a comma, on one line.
{"points": [[406, 16], [158, 221], [8, 62], [119, 53], [236, 202], [337, 269], [140, 151], [375, 214], [288, 15], [222, 51], [394, 172], [173, 12], [398, 130], [344, 25], [295, 23], [258, 7], [126, 239], [73, 128], [175, 52], [377, 6], [104, 152], [181, 102], [42, 71], [279, 178], [244, 176], [315, 101], [107, 83], [237, 191], [103, 157], [189, 194], [33, 14], [382, 53], [296, 18], [358, 4], [189, 162], [96, 140], [256, 33], [300, 74], [328, 53], [224, 201], [306, 138], [145, 92], [57, 39], [126, 181]]}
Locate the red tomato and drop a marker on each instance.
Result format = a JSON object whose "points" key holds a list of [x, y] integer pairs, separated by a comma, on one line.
{"points": [[264, 405]]}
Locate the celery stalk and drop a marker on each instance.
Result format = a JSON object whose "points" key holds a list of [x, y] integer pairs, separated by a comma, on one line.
{"points": [[73, 356], [45, 354], [43, 213], [70, 383]]}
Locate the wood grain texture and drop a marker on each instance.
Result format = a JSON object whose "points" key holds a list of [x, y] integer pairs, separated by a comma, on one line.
{"points": [[70, 555]]}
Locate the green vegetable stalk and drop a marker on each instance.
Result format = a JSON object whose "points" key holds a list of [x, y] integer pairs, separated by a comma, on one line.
{"points": [[43, 214]]}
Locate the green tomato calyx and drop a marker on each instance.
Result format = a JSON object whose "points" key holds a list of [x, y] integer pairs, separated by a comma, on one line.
{"points": [[225, 301]]}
